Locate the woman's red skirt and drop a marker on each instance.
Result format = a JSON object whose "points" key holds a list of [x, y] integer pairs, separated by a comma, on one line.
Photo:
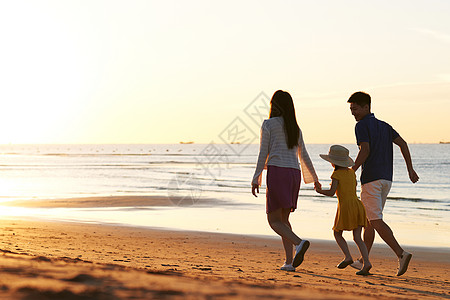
{"points": [[283, 186]]}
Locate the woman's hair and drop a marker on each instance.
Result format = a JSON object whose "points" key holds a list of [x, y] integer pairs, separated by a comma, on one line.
{"points": [[282, 105]]}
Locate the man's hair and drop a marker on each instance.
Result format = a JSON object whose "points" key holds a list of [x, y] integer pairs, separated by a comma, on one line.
{"points": [[360, 98]]}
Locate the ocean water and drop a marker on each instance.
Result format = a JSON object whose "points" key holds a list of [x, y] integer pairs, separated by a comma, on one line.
{"points": [[418, 213]]}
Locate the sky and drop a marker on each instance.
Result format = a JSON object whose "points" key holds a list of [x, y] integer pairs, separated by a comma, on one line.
{"points": [[170, 71]]}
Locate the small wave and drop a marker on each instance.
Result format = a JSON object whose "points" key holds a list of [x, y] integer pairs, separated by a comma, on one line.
{"points": [[99, 153], [433, 208], [95, 154], [409, 199], [170, 162]]}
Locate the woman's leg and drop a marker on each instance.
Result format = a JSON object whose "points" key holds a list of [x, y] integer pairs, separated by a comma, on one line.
{"points": [[362, 249], [276, 222], [343, 245], [287, 244]]}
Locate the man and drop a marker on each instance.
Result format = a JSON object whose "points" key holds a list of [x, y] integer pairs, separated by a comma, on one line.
{"points": [[375, 139]]}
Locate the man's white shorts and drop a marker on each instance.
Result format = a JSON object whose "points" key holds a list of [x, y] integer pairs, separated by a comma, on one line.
{"points": [[373, 196]]}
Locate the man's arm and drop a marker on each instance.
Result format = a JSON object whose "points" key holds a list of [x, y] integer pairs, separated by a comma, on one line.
{"points": [[363, 154], [407, 157]]}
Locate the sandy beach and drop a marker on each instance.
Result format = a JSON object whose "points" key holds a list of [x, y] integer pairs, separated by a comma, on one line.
{"points": [[63, 260]]}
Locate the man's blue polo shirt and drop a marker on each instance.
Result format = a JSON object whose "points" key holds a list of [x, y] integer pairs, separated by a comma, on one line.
{"points": [[379, 135]]}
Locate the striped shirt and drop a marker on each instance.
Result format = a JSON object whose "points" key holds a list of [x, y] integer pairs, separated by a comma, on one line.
{"points": [[274, 151]]}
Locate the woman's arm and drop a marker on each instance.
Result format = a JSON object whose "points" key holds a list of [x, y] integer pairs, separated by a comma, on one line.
{"points": [[309, 174], [262, 158], [331, 191]]}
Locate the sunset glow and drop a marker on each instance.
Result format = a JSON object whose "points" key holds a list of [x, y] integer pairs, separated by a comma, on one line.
{"points": [[164, 72]]}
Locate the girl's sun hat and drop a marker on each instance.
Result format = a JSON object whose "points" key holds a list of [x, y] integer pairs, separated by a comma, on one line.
{"points": [[338, 155]]}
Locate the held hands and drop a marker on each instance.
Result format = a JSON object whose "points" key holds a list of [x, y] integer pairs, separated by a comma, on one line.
{"points": [[255, 187], [317, 186]]}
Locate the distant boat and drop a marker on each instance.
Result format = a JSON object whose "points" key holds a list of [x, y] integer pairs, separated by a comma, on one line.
{"points": [[444, 142], [186, 142]]}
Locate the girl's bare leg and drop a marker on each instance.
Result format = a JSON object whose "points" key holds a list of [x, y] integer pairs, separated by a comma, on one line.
{"points": [[362, 249], [343, 245], [369, 237]]}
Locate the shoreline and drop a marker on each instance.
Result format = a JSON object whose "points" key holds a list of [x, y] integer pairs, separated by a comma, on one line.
{"points": [[119, 262], [135, 211], [111, 201]]}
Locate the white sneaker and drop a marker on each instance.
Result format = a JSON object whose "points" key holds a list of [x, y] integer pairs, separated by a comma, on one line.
{"points": [[287, 267], [403, 263], [300, 250], [357, 265]]}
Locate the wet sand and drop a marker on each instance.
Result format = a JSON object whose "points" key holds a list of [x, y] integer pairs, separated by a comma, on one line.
{"points": [[115, 201]]}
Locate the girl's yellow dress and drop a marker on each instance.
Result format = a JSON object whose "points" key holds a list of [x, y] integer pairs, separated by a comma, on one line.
{"points": [[350, 211]]}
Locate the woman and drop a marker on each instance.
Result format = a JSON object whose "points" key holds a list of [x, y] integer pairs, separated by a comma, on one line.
{"points": [[280, 147]]}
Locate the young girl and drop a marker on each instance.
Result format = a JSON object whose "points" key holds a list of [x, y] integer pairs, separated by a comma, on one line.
{"points": [[350, 214], [281, 146]]}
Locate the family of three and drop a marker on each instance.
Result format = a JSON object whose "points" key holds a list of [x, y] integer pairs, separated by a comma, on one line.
{"points": [[282, 146]]}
